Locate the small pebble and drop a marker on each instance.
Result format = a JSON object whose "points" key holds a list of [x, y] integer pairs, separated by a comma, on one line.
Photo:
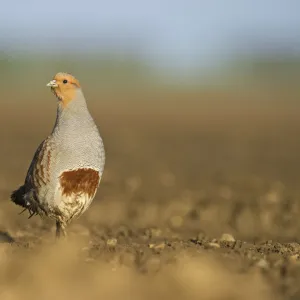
{"points": [[226, 237], [263, 264], [213, 245], [160, 246], [111, 242]]}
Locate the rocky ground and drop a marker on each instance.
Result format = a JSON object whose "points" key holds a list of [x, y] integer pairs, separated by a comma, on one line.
{"points": [[195, 203]]}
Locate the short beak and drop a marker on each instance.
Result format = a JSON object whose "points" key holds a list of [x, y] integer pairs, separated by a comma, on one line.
{"points": [[52, 83]]}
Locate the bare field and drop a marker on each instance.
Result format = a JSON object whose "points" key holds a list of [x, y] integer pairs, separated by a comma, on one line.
{"points": [[200, 199]]}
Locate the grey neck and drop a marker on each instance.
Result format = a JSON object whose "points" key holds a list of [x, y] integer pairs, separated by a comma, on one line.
{"points": [[73, 113]]}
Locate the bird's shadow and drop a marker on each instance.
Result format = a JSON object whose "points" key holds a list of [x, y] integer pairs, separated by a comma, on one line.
{"points": [[5, 237]]}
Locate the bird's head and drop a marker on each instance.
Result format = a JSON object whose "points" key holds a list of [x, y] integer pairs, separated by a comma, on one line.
{"points": [[65, 87]]}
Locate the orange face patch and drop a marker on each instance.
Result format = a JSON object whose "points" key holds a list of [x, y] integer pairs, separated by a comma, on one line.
{"points": [[66, 87], [80, 181]]}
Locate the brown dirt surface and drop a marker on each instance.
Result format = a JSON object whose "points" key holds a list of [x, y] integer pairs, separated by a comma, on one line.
{"points": [[199, 200]]}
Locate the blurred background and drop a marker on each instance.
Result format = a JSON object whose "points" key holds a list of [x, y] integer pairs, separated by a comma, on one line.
{"points": [[198, 106], [197, 103], [177, 42]]}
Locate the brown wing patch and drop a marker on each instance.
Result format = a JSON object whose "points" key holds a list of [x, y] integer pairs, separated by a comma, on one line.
{"points": [[79, 181]]}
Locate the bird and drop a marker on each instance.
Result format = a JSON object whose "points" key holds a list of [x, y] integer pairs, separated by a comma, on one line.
{"points": [[67, 167]]}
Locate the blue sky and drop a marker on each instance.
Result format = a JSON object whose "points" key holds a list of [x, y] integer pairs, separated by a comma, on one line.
{"points": [[164, 31]]}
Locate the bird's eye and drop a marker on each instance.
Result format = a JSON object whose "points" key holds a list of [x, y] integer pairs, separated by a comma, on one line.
{"points": [[65, 81]]}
